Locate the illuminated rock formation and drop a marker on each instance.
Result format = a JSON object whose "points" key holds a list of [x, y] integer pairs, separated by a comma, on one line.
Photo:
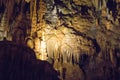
{"points": [[84, 33]]}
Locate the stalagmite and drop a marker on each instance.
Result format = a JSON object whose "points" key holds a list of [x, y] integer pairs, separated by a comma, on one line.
{"points": [[29, 43], [37, 45], [37, 11], [43, 48]]}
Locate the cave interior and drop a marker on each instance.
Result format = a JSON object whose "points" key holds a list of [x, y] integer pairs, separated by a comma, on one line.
{"points": [[59, 39]]}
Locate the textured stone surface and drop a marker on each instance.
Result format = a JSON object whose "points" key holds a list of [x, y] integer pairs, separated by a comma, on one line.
{"points": [[81, 32]]}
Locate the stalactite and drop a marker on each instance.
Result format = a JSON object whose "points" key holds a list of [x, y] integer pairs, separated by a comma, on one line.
{"points": [[4, 23], [9, 6], [53, 48], [34, 18], [37, 14], [41, 12], [31, 9], [69, 47], [66, 52]]}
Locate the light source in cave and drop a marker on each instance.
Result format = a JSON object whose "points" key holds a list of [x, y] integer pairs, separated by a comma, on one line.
{"points": [[39, 45], [38, 25], [43, 50]]}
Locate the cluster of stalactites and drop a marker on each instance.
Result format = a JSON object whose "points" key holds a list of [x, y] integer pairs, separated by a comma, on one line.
{"points": [[4, 26], [9, 6], [66, 51], [66, 47]]}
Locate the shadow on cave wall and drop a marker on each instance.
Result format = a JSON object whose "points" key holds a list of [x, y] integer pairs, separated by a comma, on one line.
{"points": [[18, 62]]}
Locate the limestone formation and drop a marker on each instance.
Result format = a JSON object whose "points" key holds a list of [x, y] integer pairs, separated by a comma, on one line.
{"points": [[82, 33]]}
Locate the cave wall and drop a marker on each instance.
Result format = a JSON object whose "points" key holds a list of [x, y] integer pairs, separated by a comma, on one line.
{"points": [[72, 30]]}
